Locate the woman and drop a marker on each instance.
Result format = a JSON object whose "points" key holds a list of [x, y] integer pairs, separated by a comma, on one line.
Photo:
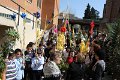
{"points": [[70, 57], [76, 70], [51, 70]]}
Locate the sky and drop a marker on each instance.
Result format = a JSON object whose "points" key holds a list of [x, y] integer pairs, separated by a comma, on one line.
{"points": [[78, 7]]}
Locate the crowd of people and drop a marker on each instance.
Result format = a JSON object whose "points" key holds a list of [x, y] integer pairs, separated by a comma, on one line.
{"points": [[41, 63]]}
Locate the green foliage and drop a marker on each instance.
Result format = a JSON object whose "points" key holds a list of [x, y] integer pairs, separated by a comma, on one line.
{"points": [[2, 65], [63, 66], [87, 12], [114, 35], [91, 13], [11, 35], [114, 49]]}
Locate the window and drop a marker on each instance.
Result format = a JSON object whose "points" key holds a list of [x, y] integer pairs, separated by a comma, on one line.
{"points": [[39, 3]]}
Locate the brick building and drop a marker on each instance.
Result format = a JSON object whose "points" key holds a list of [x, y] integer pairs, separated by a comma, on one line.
{"points": [[50, 9], [111, 13], [111, 10], [17, 7]]}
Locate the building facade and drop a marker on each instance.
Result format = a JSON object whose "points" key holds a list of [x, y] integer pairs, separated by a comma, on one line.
{"points": [[27, 31], [50, 13], [111, 10]]}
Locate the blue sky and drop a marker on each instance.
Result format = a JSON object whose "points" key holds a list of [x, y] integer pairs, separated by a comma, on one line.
{"points": [[78, 7]]}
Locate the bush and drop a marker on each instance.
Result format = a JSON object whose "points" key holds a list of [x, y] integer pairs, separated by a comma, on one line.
{"points": [[114, 49]]}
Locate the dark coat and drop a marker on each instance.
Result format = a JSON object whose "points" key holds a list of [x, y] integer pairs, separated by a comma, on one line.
{"points": [[52, 78], [76, 71], [97, 74]]}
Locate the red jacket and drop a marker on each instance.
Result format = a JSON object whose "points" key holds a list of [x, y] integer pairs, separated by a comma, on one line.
{"points": [[69, 59]]}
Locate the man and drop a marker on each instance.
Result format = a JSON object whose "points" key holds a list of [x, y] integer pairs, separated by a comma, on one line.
{"points": [[37, 66], [99, 66]]}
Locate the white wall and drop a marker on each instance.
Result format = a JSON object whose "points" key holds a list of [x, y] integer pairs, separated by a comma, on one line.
{"points": [[30, 34]]}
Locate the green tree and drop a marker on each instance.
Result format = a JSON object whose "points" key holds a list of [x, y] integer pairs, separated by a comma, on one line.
{"points": [[114, 49], [91, 13], [97, 14], [87, 12]]}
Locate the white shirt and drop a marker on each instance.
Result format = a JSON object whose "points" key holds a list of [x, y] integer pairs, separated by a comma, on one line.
{"points": [[37, 63]]}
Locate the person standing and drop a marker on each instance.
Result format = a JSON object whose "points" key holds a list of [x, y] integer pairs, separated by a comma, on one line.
{"points": [[99, 66], [51, 70], [77, 69], [11, 68], [19, 64], [37, 66], [47, 51], [28, 61], [70, 57]]}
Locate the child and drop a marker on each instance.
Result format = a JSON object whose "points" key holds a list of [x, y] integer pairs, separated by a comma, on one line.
{"points": [[19, 64], [28, 57], [11, 68], [37, 66]]}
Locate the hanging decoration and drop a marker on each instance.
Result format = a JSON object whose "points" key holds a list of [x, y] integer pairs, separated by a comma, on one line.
{"points": [[13, 16], [55, 30], [48, 21], [92, 24], [87, 48], [23, 15], [38, 34], [60, 41], [63, 29], [37, 15], [82, 47]]}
